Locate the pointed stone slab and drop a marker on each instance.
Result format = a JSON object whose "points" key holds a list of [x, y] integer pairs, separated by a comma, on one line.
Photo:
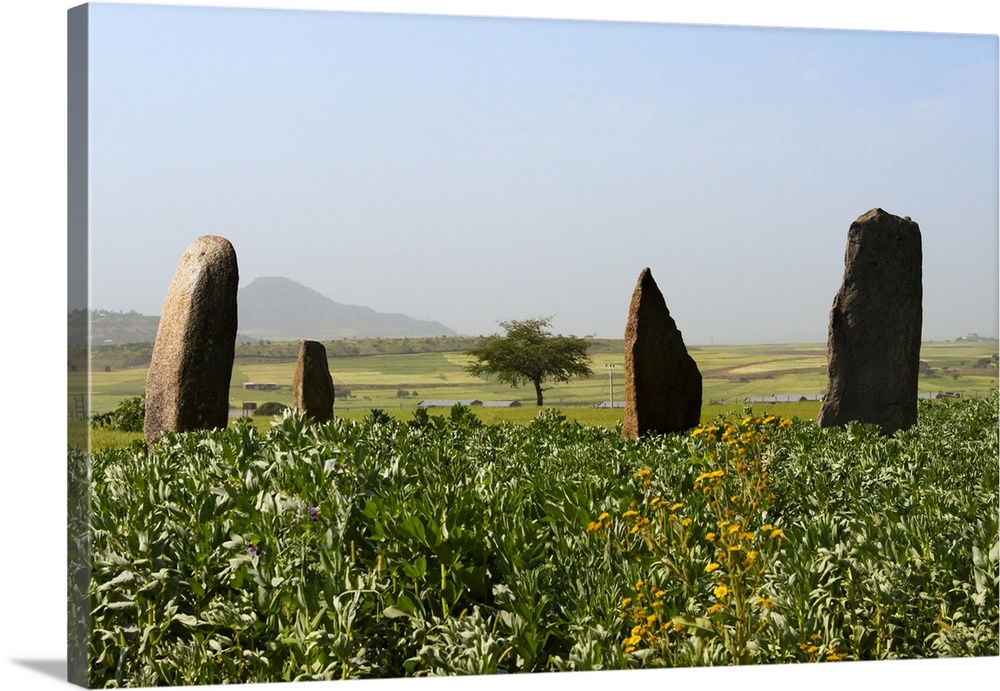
{"points": [[187, 386], [662, 382], [873, 349], [312, 387]]}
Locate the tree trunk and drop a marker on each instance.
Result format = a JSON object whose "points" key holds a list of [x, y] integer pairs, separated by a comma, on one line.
{"points": [[538, 391]]}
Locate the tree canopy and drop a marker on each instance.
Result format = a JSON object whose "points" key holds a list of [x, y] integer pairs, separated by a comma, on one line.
{"points": [[527, 352]]}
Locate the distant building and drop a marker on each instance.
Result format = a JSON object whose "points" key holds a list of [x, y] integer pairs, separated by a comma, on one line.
{"points": [[269, 386], [448, 404], [784, 398], [609, 404], [501, 404]]}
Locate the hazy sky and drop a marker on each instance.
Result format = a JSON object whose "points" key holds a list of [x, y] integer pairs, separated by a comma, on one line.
{"points": [[470, 170]]}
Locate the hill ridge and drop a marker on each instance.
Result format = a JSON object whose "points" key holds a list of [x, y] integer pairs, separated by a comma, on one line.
{"points": [[270, 308]]}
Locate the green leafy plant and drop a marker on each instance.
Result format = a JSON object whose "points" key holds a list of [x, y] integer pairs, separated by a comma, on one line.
{"points": [[440, 544]]}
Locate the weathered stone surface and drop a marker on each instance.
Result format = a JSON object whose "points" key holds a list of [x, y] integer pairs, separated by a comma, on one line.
{"points": [[187, 386], [873, 348], [662, 382], [312, 387]]}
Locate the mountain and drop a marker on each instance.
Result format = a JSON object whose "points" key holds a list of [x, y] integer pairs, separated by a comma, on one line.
{"points": [[280, 309], [276, 309], [108, 328]]}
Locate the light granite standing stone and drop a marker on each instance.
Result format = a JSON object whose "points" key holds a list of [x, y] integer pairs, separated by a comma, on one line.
{"points": [[187, 386], [873, 348], [662, 382], [312, 387]]}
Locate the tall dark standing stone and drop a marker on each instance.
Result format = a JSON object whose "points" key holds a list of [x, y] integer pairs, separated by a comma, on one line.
{"points": [[873, 351], [662, 382], [312, 387], [187, 386]]}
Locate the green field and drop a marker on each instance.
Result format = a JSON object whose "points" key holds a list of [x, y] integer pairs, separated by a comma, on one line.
{"points": [[397, 382]]}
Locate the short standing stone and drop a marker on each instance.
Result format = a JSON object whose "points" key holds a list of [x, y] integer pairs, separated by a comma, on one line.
{"points": [[187, 386], [312, 387], [873, 348], [662, 382]]}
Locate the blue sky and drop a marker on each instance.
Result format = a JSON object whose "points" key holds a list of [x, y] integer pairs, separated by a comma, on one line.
{"points": [[470, 170]]}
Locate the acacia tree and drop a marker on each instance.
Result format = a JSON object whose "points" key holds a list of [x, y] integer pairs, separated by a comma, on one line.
{"points": [[529, 353]]}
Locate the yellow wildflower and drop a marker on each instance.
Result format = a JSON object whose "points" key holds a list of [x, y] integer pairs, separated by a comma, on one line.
{"points": [[626, 602], [710, 536], [714, 609], [752, 555], [685, 522], [676, 506], [711, 567], [721, 592], [643, 473], [630, 513], [603, 516]]}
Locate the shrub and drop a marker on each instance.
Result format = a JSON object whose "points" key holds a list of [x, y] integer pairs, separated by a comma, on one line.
{"points": [[127, 417], [271, 408]]}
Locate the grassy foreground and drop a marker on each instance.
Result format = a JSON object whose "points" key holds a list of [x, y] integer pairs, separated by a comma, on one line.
{"points": [[441, 545]]}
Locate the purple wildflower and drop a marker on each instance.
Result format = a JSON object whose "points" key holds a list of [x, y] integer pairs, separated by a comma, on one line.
{"points": [[314, 513], [251, 548]]}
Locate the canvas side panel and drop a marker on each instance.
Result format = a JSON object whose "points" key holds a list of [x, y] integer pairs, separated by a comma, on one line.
{"points": [[78, 345]]}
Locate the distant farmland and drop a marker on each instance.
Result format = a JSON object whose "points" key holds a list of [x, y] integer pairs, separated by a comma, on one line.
{"points": [[396, 374]]}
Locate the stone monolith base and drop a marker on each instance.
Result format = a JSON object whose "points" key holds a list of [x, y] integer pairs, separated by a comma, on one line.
{"points": [[187, 386], [873, 350], [662, 382], [312, 387]]}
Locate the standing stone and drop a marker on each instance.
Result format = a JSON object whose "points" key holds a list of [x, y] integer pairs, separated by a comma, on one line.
{"points": [[187, 386], [312, 387], [873, 348], [662, 382]]}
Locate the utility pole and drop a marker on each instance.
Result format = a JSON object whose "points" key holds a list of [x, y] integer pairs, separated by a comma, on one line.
{"points": [[611, 383]]}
